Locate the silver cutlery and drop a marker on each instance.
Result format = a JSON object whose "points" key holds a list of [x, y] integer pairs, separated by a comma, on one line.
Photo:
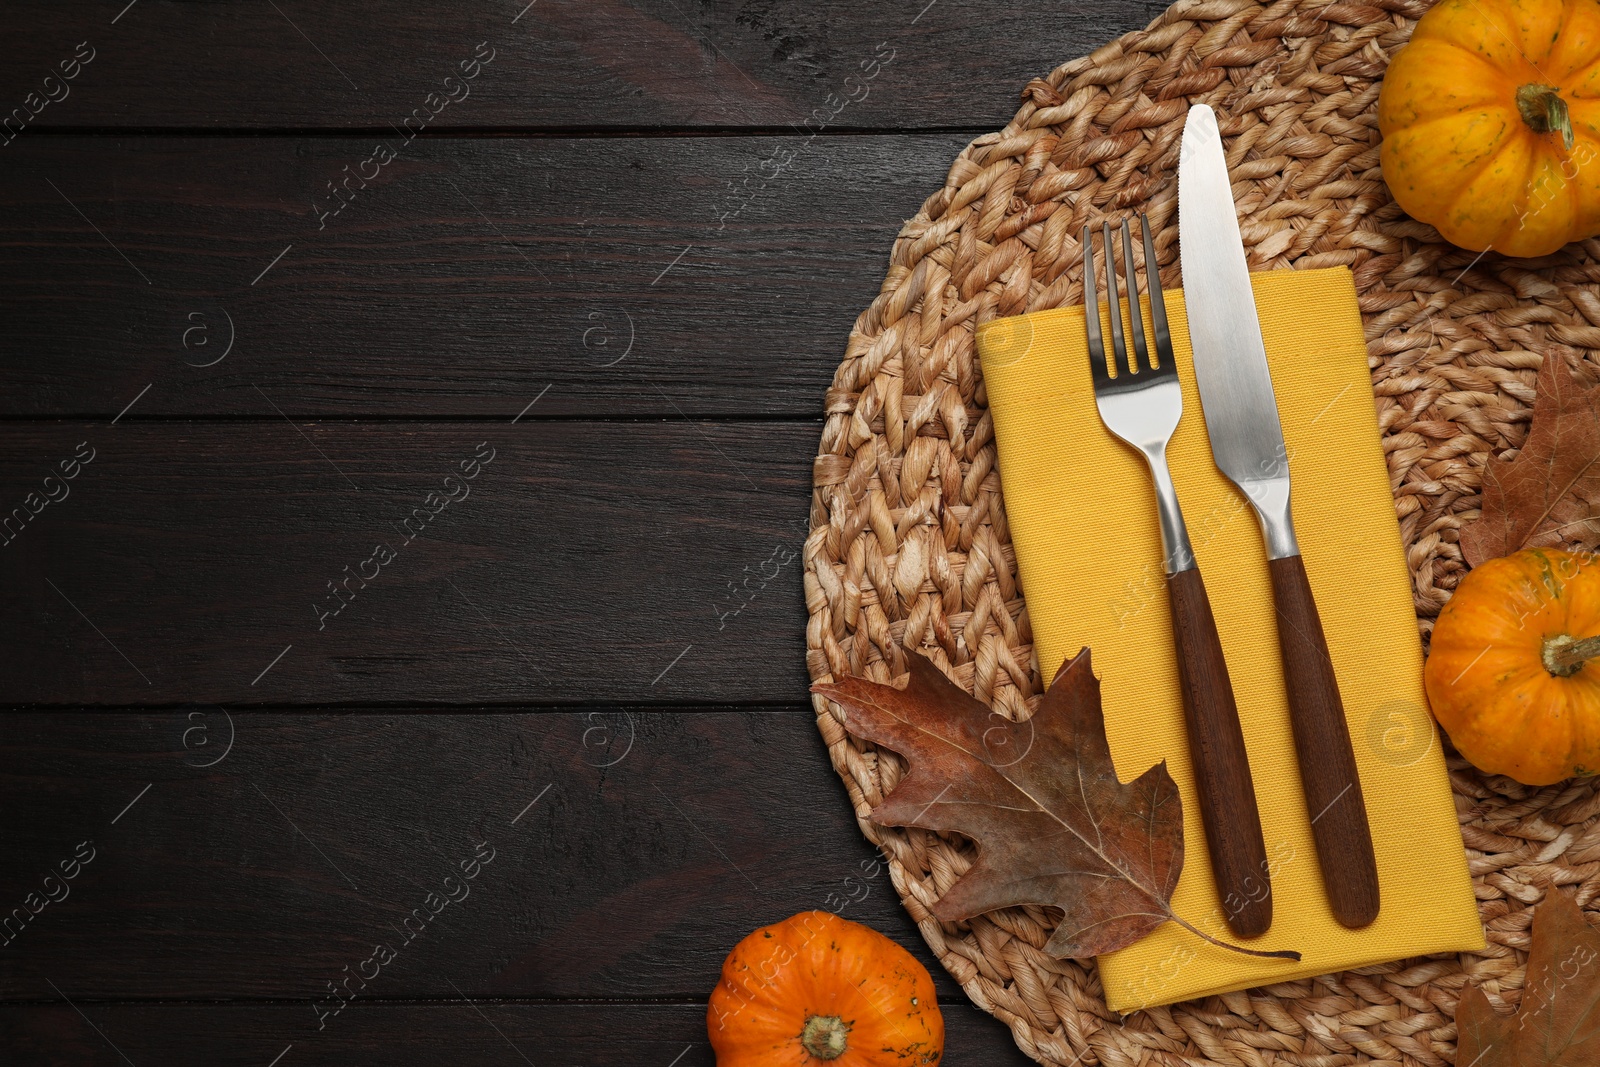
{"points": [[1140, 401], [1241, 414]]}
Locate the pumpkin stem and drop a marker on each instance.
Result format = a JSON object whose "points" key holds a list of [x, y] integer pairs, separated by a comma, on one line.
{"points": [[1565, 656], [824, 1036], [1544, 111]]}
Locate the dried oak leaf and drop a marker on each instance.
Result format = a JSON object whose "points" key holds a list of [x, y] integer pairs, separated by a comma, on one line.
{"points": [[1558, 1024], [1041, 798], [1550, 493]]}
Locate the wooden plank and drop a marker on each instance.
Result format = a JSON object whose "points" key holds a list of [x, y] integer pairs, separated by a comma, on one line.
{"points": [[631, 276], [287, 562], [489, 1034], [627, 852], [555, 64]]}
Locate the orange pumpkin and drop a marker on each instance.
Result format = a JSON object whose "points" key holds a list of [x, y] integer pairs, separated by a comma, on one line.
{"points": [[1512, 674], [817, 988], [1491, 123]]}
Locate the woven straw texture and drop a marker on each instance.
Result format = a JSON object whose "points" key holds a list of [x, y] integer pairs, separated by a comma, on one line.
{"points": [[909, 546]]}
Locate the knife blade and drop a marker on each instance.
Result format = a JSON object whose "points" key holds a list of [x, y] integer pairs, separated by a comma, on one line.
{"points": [[1242, 422]]}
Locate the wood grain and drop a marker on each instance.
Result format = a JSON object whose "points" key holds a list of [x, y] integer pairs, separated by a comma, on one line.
{"points": [[652, 277], [492, 1033], [644, 64], [654, 842], [1223, 781], [587, 563], [1334, 800], [593, 661]]}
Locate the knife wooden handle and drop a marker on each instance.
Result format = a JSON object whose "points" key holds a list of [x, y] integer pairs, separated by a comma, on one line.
{"points": [[1221, 765], [1334, 803]]}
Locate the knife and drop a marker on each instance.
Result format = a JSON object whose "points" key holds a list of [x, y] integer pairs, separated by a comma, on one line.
{"points": [[1241, 413]]}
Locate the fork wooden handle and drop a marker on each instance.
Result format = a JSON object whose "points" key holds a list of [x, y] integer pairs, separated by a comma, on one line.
{"points": [[1221, 765], [1334, 802]]}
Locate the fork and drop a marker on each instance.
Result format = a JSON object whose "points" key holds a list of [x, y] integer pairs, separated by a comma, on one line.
{"points": [[1140, 401]]}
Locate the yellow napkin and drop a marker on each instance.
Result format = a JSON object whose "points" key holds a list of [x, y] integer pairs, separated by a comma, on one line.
{"points": [[1083, 521]]}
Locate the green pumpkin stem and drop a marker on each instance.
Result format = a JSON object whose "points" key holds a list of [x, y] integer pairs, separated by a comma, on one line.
{"points": [[1544, 111], [825, 1036], [1565, 656]]}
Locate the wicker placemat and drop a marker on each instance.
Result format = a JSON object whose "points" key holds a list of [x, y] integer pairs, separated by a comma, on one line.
{"points": [[909, 546]]}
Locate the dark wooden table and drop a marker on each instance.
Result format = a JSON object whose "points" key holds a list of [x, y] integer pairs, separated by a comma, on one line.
{"points": [[407, 429]]}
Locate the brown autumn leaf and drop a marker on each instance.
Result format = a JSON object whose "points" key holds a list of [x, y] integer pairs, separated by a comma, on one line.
{"points": [[1550, 493], [1558, 1024], [1041, 798]]}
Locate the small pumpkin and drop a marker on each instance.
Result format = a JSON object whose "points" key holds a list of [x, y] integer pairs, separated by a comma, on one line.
{"points": [[1491, 123], [818, 988], [1513, 674]]}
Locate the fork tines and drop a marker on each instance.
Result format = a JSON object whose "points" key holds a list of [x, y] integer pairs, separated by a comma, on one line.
{"points": [[1141, 362]]}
